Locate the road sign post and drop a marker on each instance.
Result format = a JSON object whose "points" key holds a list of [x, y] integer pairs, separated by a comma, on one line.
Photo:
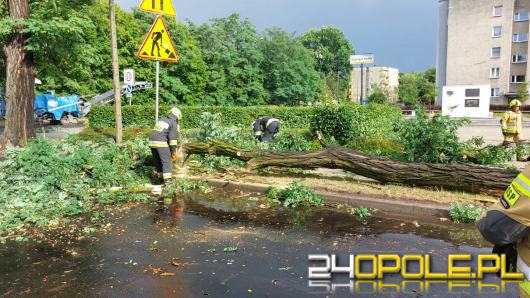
{"points": [[157, 89], [129, 90], [158, 45], [164, 7], [129, 77], [362, 60]]}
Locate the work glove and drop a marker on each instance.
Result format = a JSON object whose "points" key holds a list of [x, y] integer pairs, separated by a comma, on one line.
{"points": [[511, 256], [504, 132], [174, 156]]}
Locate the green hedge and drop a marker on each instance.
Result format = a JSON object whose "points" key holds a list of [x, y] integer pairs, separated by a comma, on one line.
{"points": [[346, 123], [143, 116]]}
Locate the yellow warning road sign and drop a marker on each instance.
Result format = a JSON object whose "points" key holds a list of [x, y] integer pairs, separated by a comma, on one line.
{"points": [[164, 7], [158, 44]]}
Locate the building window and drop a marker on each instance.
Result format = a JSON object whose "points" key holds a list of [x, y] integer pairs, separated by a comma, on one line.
{"points": [[518, 79], [520, 16], [496, 52], [497, 11], [495, 92], [495, 72], [520, 37], [520, 58], [497, 31]]}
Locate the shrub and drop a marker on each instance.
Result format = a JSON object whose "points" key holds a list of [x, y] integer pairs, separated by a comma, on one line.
{"points": [[379, 95], [211, 128], [335, 121], [431, 140], [345, 123], [461, 213], [489, 155], [143, 116], [295, 140], [361, 212], [379, 147], [295, 195]]}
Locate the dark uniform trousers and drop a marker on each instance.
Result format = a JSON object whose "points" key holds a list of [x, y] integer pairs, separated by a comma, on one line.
{"points": [[163, 162]]}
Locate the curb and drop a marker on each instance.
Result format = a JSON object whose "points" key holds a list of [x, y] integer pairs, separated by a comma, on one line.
{"points": [[390, 207]]}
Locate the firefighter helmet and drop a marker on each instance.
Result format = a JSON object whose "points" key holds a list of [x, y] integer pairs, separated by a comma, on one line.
{"points": [[175, 111], [515, 103]]}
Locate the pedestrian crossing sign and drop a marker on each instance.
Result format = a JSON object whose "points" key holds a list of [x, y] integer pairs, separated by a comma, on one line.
{"points": [[158, 44], [164, 7]]}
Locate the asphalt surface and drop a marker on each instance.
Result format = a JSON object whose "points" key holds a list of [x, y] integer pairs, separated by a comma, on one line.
{"points": [[232, 245], [52, 131]]}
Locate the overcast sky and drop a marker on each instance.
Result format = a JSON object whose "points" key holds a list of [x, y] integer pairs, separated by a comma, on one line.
{"points": [[401, 33]]}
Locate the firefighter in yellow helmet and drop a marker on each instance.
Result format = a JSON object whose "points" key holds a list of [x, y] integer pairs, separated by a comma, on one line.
{"points": [[506, 224], [512, 123]]}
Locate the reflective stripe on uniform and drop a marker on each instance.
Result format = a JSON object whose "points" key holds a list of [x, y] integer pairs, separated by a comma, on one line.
{"points": [[269, 122], [173, 143], [161, 125], [522, 184], [166, 175], [521, 265], [158, 144], [525, 286], [258, 133]]}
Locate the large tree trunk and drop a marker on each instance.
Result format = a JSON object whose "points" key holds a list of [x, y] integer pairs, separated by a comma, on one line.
{"points": [[20, 80], [463, 177]]}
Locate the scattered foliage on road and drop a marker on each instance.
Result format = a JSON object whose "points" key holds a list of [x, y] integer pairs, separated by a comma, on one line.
{"points": [[48, 181], [295, 195], [462, 213], [361, 212]]}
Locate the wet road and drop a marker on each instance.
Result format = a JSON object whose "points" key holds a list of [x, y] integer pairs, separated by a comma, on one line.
{"points": [[179, 251]]}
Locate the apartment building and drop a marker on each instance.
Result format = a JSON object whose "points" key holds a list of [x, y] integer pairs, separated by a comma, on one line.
{"points": [[484, 42], [386, 78]]}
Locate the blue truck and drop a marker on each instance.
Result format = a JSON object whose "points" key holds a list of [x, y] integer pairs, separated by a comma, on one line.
{"points": [[50, 107], [67, 108]]}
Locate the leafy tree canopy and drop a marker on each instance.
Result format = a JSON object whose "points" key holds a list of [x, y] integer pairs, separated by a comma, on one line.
{"points": [[289, 68]]}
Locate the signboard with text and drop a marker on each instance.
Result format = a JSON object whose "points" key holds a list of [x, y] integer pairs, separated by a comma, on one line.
{"points": [[362, 59]]}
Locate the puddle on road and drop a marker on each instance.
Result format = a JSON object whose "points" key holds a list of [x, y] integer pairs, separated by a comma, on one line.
{"points": [[178, 249]]}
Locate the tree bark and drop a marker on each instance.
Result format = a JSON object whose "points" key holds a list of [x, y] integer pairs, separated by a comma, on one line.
{"points": [[116, 73], [20, 81], [462, 177]]}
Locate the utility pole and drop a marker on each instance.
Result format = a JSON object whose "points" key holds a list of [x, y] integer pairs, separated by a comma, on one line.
{"points": [[116, 73], [362, 82]]}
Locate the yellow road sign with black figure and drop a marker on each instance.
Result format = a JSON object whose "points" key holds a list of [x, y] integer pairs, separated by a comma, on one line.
{"points": [[158, 44], [164, 7]]}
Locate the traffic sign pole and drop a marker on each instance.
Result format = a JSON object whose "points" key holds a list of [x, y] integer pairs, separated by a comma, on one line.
{"points": [[158, 38], [156, 89]]}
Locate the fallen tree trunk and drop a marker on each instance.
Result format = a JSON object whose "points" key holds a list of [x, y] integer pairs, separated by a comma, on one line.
{"points": [[463, 177]]}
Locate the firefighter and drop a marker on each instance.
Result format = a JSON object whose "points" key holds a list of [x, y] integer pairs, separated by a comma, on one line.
{"points": [[266, 128], [512, 124], [506, 224], [163, 144]]}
